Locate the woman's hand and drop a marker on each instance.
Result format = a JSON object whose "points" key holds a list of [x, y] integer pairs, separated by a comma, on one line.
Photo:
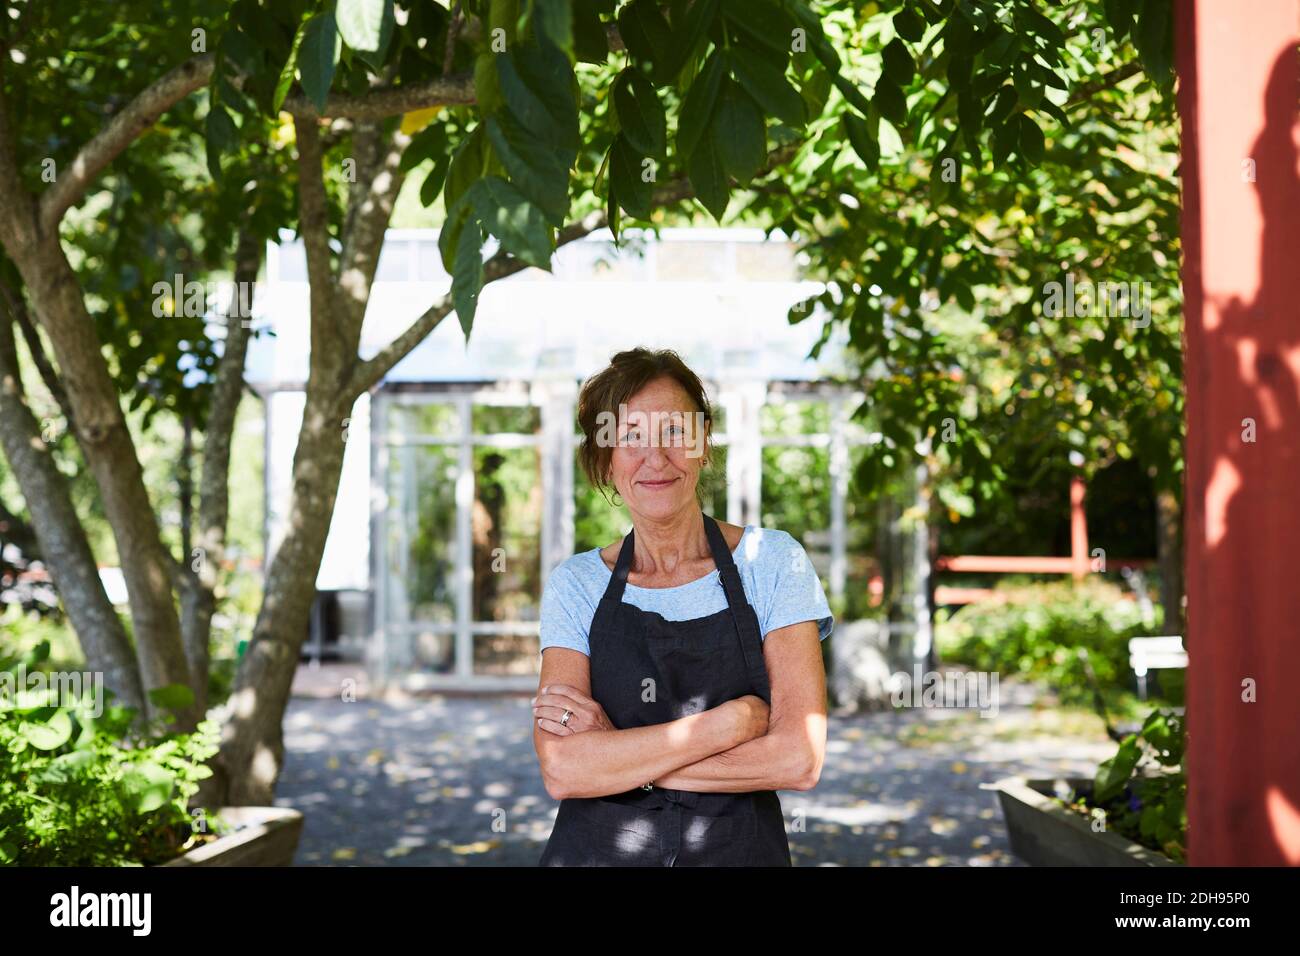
{"points": [[554, 699], [751, 714]]}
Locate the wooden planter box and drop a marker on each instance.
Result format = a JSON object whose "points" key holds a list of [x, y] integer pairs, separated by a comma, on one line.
{"points": [[267, 836], [1045, 833]]}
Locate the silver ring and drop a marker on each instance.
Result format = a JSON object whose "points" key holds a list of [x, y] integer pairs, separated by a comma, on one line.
{"points": [[564, 721]]}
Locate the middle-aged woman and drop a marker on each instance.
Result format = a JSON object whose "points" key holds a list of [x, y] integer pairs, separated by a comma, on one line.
{"points": [[682, 681]]}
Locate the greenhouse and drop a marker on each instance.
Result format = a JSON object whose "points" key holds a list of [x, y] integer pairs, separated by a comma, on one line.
{"points": [[460, 489]]}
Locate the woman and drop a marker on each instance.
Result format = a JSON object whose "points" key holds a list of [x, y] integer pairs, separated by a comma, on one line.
{"points": [[682, 680]]}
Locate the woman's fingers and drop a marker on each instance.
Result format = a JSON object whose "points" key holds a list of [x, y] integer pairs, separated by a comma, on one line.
{"points": [[566, 691], [554, 727]]}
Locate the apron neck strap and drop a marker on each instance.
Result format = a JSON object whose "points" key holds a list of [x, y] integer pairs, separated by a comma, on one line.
{"points": [[726, 567]]}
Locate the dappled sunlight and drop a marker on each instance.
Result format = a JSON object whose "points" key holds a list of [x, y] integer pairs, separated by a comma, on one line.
{"points": [[420, 782]]}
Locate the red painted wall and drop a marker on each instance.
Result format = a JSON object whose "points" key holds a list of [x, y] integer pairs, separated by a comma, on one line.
{"points": [[1239, 81]]}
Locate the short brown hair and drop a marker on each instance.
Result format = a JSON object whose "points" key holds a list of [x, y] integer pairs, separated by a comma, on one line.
{"points": [[625, 375]]}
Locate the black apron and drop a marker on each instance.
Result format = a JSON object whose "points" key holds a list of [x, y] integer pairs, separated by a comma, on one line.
{"points": [[695, 666]]}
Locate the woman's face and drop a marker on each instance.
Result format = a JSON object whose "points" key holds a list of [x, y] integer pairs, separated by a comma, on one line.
{"points": [[656, 463]]}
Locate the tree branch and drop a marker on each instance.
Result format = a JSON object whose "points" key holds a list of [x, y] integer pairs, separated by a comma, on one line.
{"points": [[18, 308], [1105, 82], [370, 206], [313, 226], [454, 90], [154, 100], [122, 130]]}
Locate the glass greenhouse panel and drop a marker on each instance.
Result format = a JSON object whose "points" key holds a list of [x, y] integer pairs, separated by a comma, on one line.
{"points": [[506, 529], [421, 549], [796, 498], [413, 420], [506, 419], [785, 418], [505, 654]]}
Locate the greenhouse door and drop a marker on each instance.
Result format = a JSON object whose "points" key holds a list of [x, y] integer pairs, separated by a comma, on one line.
{"points": [[458, 478]]}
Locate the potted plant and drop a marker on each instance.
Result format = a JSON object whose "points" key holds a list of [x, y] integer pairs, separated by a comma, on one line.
{"points": [[83, 782], [1132, 813]]}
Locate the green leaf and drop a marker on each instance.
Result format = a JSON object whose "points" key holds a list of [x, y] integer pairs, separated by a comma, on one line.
{"points": [[537, 83], [1031, 140], [763, 22], [812, 26], [321, 47], [640, 114], [851, 93], [648, 37], [49, 734], [222, 136], [1113, 773], [428, 143], [554, 20], [590, 44], [1029, 92], [67, 767], [625, 177], [1154, 38], [694, 31], [507, 214], [467, 273], [889, 99], [739, 133], [535, 169], [697, 109], [288, 70], [147, 786], [1043, 27], [173, 697], [433, 182], [862, 136], [768, 86], [1006, 139], [1119, 14], [908, 25], [898, 62], [466, 168], [708, 178], [449, 234], [366, 26], [611, 205], [1003, 104]]}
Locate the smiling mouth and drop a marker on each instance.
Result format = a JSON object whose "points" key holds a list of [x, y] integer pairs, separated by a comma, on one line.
{"points": [[664, 483]]}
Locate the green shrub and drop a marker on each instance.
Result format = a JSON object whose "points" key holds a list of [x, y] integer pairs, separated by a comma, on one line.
{"points": [[1036, 630], [1142, 790], [80, 789]]}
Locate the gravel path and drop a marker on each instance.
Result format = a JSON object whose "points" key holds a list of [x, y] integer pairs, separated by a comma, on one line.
{"points": [[453, 781]]}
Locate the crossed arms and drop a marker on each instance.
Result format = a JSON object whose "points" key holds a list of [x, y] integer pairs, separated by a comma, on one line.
{"points": [[734, 747]]}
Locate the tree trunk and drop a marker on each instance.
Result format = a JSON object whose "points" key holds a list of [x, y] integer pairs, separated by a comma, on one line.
{"points": [[61, 536], [1169, 544], [252, 745], [106, 442], [201, 575]]}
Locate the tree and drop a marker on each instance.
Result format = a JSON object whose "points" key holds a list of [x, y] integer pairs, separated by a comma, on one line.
{"points": [[533, 123]]}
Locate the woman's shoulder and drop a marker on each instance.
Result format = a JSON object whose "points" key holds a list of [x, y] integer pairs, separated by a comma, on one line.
{"points": [[581, 570], [767, 549]]}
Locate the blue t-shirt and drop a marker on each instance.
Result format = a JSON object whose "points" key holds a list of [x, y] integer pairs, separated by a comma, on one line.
{"points": [[778, 577]]}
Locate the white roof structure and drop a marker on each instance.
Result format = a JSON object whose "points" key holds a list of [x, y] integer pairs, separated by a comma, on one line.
{"points": [[719, 297]]}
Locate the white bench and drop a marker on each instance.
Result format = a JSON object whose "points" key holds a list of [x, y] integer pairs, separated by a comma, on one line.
{"points": [[1154, 653]]}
